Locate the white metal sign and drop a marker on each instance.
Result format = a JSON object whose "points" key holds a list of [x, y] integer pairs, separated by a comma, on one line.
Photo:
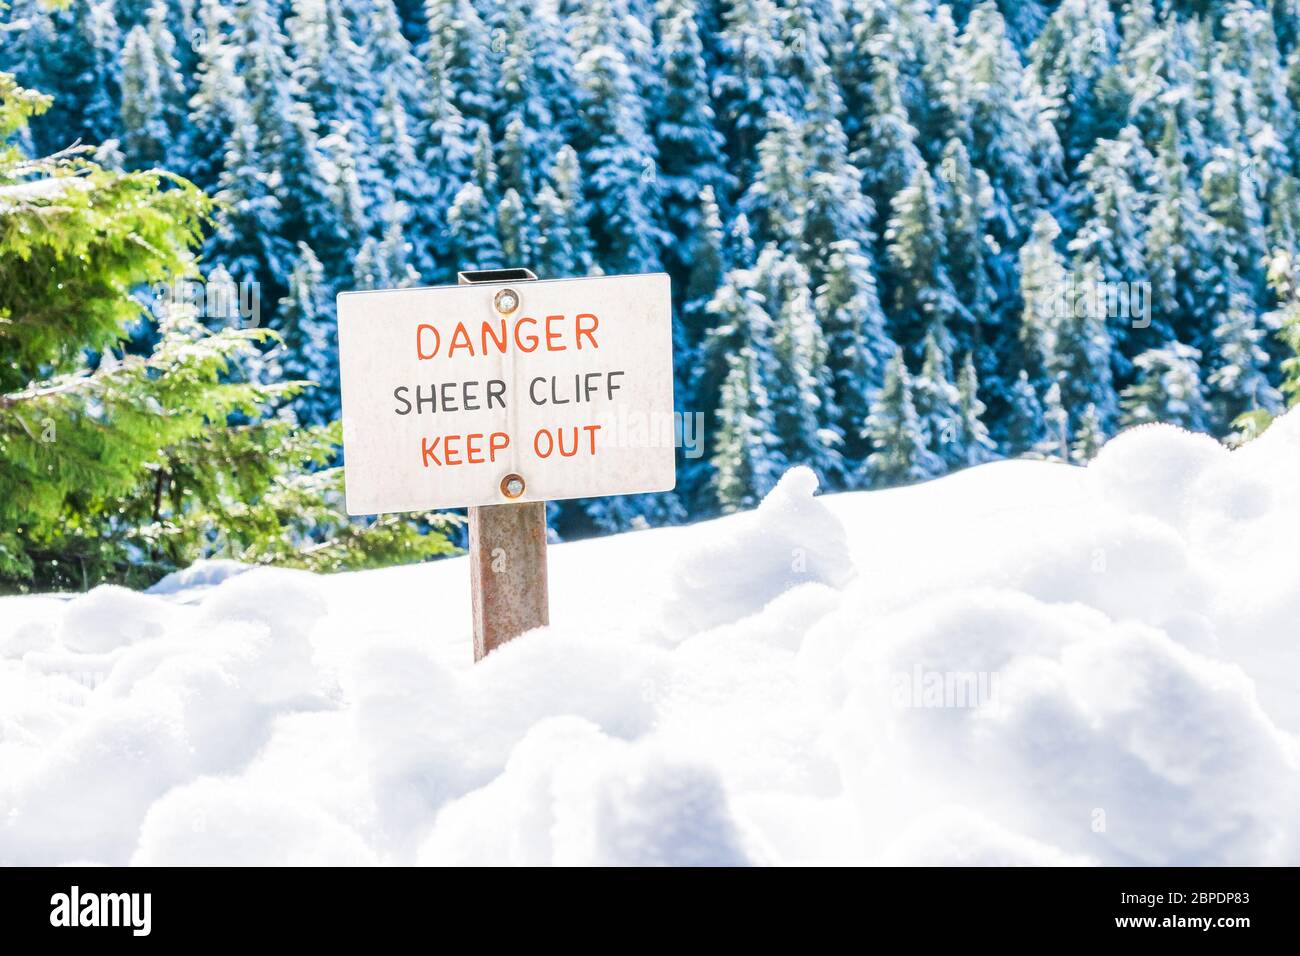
{"points": [[514, 391]]}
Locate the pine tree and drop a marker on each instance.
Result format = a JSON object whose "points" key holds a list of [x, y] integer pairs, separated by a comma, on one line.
{"points": [[685, 128], [942, 103], [386, 263], [123, 467], [1167, 388], [900, 452], [305, 316], [390, 55], [739, 320], [349, 209], [937, 401], [445, 145], [1230, 198], [79, 60], [472, 219], [858, 346], [175, 61], [971, 444], [799, 390], [1003, 181], [775, 202], [563, 243], [219, 102], [397, 134], [1283, 227], [526, 101], [329, 66], [740, 247], [748, 84], [965, 200], [708, 262], [836, 211], [143, 112], [1111, 206], [248, 239], [1239, 380], [1055, 442], [1069, 62], [1008, 143], [617, 152], [1044, 285], [1183, 286], [1284, 279], [1025, 418], [397, 162], [1250, 47], [457, 52], [885, 149], [516, 167], [1078, 360], [923, 295], [287, 152], [804, 29], [513, 229], [745, 465], [1088, 437]]}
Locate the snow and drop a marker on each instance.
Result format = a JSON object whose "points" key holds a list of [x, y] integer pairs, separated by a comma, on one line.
{"points": [[1022, 663]]}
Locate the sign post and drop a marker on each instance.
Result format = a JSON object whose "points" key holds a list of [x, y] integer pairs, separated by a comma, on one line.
{"points": [[507, 543], [500, 394]]}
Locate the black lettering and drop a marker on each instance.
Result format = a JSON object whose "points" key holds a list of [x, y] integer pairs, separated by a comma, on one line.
{"points": [[399, 394], [421, 400], [611, 385]]}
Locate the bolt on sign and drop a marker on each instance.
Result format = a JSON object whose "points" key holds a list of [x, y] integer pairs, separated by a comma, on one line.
{"points": [[499, 392]]}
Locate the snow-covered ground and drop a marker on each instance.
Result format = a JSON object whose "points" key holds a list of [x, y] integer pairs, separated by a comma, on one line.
{"points": [[1022, 663]]}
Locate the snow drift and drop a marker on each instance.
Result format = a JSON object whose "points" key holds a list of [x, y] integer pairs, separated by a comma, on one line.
{"points": [[1024, 663]]}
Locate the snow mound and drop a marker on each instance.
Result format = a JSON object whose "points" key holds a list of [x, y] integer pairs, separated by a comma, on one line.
{"points": [[199, 575], [572, 796], [789, 539], [1024, 663], [1151, 469], [227, 823]]}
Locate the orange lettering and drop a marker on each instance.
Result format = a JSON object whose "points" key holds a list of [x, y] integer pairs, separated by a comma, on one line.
{"points": [[553, 337], [419, 341], [589, 333], [474, 450], [448, 450], [532, 338], [500, 343], [429, 450], [459, 340]]}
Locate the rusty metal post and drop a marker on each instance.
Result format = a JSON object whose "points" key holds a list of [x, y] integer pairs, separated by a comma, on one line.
{"points": [[507, 546]]}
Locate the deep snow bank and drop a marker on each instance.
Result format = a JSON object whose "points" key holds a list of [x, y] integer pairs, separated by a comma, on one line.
{"points": [[1022, 663]]}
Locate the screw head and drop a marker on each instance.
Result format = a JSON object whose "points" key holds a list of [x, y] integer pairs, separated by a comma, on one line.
{"points": [[506, 301], [512, 486]]}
